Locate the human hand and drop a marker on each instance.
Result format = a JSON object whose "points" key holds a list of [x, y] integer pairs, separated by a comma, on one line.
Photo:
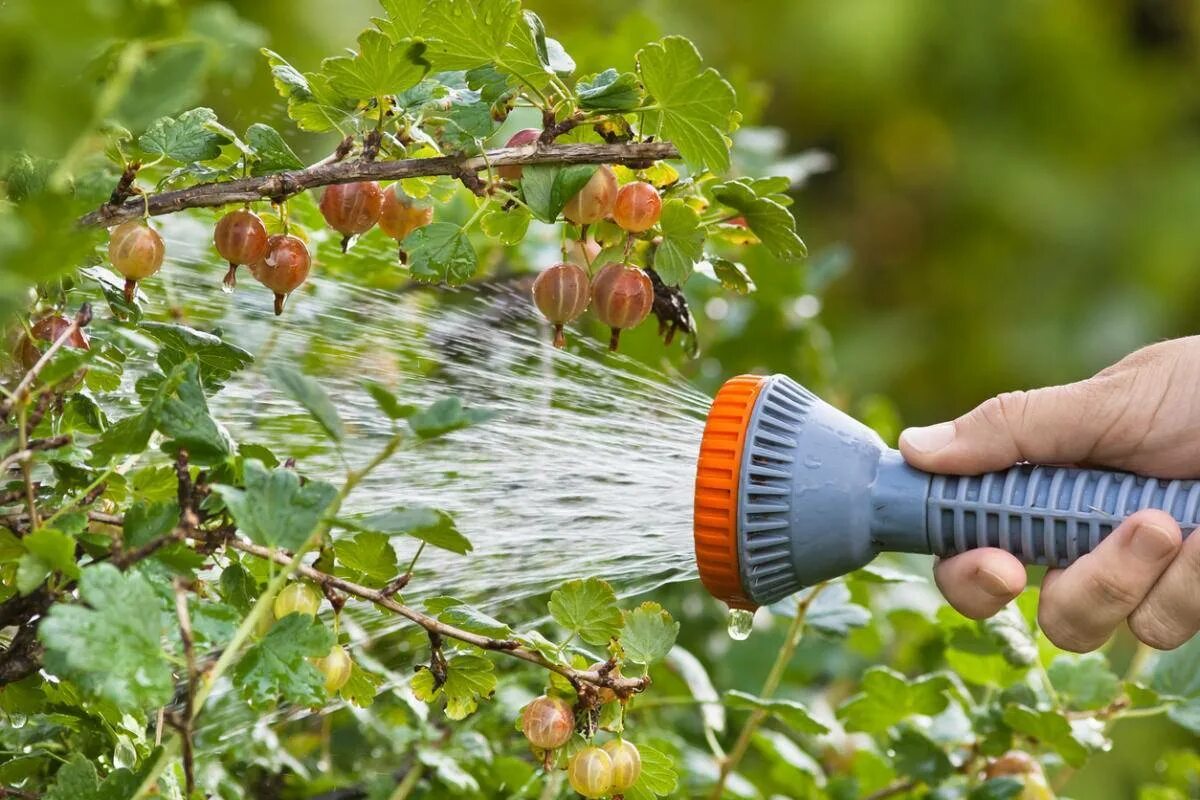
{"points": [[1142, 415]]}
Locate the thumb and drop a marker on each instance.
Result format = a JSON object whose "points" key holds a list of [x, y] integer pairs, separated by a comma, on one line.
{"points": [[1055, 425]]}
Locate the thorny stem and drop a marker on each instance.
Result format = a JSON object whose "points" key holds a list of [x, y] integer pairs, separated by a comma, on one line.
{"points": [[26, 465], [184, 722], [791, 639]]}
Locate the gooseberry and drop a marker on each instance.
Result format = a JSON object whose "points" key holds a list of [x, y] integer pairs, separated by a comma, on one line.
{"points": [[48, 329], [285, 267], [336, 668], [352, 208], [136, 251], [241, 238], [561, 293], [590, 772], [1014, 762], [622, 296], [595, 200], [401, 216], [548, 722], [297, 598], [626, 763], [512, 172], [583, 252], [637, 207]]}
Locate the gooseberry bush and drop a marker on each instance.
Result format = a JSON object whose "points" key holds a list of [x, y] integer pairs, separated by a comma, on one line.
{"points": [[157, 572]]}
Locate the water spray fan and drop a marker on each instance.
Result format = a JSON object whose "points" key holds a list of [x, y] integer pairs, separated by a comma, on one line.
{"points": [[791, 492]]}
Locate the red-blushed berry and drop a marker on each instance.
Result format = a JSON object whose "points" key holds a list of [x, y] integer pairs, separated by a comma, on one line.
{"points": [[285, 267], [626, 763], [336, 667], [136, 251], [548, 722], [48, 329], [241, 239], [352, 208], [638, 207], [512, 172], [296, 598], [562, 292], [590, 772], [401, 216], [622, 297], [595, 200]]}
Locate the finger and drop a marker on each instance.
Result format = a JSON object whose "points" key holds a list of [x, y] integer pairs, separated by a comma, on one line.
{"points": [[1083, 604], [978, 583], [1170, 614], [1055, 425]]}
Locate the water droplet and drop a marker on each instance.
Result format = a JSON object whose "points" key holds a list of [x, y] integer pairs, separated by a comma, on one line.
{"points": [[125, 755], [16, 720], [741, 622]]}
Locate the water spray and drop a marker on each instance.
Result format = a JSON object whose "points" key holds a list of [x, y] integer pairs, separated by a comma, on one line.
{"points": [[791, 492]]}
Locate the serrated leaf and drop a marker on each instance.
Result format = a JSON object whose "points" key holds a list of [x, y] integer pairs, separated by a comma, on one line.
{"points": [[463, 36], [180, 412], [791, 713], [915, 754], [120, 607], [649, 633], [682, 243], [468, 678], [278, 666], [47, 550], [185, 138], [311, 101], [832, 612], [271, 152], [1050, 728], [309, 394], [692, 106], [766, 216], [587, 608], [362, 687], [658, 777], [509, 227], [1004, 788], [886, 697], [238, 587], [453, 611], [217, 358], [1084, 682], [609, 91], [445, 416], [381, 67], [440, 252], [369, 558], [730, 274], [273, 509], [426, 524], [547, 188]]}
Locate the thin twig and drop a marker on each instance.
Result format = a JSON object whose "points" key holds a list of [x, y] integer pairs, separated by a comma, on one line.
{"points": [[18, 395], [900, 787], [184, 723]]}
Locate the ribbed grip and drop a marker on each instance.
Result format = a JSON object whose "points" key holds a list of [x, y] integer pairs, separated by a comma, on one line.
{"points": [[1046, 515]]}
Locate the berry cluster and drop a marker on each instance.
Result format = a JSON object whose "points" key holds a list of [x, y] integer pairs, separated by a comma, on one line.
{"points": [[549, 723], [301, 598]]}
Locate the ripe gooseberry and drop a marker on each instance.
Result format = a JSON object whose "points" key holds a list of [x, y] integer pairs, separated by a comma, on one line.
{"points": [[590, 772], [626, 763], [595, 200], [336, 667], [401, 216], [512, 172], [48, 329], [285, 267], [622, 297], [548, 722], [637, 207], [561, 292], [136, 251], [351, 208], [240, 238], [297, 598]]}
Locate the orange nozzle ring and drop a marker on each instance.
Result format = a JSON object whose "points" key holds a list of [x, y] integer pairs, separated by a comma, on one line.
{"points": [[715, 517]]}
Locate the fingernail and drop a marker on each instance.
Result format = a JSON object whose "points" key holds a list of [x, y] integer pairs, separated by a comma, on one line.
{"points": [[929, 439], [993, 584], [1152, 543]]}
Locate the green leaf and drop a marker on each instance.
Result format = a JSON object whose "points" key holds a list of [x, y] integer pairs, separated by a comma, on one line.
{"points": [[1014, 636], [547, 188], [978, 654], [312, 103], [47, 550], [117, 607], [445, 416], [833, 613], [766, 215], [457, 613], [730, 274], [388, 402], [1005, 788], [463, 36], [271, 152], [440, 252], [609, 91], [915, 754], [381, 67], [692, 107], [145, 521], [1177, 672], [509, 227], [648, 634], [309, 394], [1050, 728], [218, 359], [468, 678], [368, 558], [420, 522], [1084, 682], [185, 138], [886, 697], [362, 687], [682, 243], [791, 713], [462, 121], [658, 777], [278, 665], [181, 414], [274, 510], [238, 587], [587, 608]]}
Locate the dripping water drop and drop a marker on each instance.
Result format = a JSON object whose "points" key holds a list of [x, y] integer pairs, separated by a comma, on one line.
{"points": [[741, 622]]}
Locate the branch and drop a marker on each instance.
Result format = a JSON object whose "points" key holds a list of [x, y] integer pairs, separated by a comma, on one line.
{"points": [[184, 722], [281, 185], [622, 686], [82, 318]]}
